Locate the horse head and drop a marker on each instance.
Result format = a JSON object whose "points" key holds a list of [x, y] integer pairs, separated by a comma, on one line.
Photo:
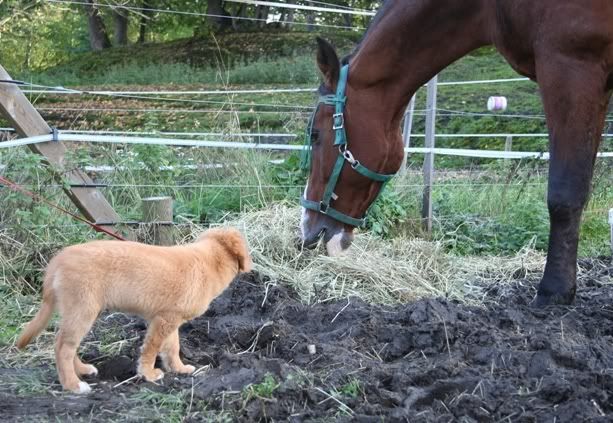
{"points": [[353, 153]]}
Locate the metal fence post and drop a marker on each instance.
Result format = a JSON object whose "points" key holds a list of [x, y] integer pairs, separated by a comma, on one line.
{"points": [[407, 127], [508, 145], [429, 156], [611, 224]]}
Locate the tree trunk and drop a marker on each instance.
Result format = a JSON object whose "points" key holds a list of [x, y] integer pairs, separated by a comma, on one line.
{"points": [[221, 18], [261, 13], [289, 17], [98, 37], [144, 22], [240, 13], [310, 19], [347, 17], [121, 27]]}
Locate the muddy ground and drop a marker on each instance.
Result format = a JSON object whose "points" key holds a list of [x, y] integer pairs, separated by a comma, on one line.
{"points": [[431, 360]]}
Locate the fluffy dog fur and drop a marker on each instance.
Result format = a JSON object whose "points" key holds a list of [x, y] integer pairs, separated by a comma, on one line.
{"points": [[165, 285]]}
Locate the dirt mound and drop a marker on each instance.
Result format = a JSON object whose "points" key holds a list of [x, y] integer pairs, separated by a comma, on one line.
{"points": [[431, 360]]}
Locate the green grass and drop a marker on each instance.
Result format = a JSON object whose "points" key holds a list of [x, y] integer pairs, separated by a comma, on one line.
{"points": [[292, 70], [27, 383], [162, 406]]}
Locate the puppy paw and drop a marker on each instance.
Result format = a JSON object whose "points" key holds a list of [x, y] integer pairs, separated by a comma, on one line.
{"points": [[151, 375], [90, 370], [185, 369], [82, 388]]}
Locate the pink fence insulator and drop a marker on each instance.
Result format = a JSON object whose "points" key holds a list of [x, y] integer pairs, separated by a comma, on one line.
{"points": [[497, 104]]}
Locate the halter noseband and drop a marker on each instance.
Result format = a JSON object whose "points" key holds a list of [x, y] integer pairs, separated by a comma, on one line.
{"points": [[338, 101]]}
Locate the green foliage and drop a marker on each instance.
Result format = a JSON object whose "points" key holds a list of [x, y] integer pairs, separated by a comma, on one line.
{"points": [[37, 36], [154, 156], [389, 211], [475, 235], [288, 172], [351, 389], [264, 389], [12, 304], [221, 53]]}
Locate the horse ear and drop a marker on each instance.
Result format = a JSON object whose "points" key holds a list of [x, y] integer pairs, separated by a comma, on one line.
{"points": [[328, 62]]}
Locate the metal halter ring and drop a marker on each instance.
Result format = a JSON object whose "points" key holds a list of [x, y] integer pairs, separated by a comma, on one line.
{"points": [[338, 120], [347, 154]]}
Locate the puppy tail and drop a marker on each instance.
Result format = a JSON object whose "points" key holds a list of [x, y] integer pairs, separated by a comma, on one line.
{"points": [[40, 321]]}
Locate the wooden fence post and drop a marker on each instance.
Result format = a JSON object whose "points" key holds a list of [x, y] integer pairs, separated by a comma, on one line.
{"points": [[429, 156], [79, 187], [157, 213], [407, 127]]}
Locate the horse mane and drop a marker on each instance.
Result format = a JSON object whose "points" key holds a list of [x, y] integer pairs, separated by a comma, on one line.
{"points": [[378, 16]]}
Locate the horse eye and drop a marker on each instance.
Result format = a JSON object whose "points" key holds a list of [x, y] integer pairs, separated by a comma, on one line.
{"points": [[314, 136]]}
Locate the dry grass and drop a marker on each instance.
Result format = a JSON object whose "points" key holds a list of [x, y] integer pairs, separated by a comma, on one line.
{"points": [[375, 270]]}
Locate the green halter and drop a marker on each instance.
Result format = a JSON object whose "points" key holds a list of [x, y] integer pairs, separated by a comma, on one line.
{"points": [[338, 101]]}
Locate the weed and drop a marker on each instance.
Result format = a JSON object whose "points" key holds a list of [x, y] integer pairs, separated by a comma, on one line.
{"points": [[351, 389], [264, 389]]}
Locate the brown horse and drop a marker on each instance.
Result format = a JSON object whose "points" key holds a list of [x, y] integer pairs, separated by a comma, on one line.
{"points": [[566, 46]]}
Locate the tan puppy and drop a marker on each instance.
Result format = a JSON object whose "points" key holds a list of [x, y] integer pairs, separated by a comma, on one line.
{"points": [[165, 285]]}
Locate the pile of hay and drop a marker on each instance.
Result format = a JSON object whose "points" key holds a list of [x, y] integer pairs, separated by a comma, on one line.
{"points": [[378, 271]]}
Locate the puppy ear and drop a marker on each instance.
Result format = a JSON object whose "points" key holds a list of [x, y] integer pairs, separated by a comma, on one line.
{"points": [[236, 244]]}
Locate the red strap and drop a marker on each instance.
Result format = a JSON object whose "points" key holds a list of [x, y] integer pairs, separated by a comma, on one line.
{"points": [[34, 196]]}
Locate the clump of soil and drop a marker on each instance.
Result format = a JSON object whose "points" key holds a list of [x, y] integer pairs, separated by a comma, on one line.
{"points": [[429, 360]]}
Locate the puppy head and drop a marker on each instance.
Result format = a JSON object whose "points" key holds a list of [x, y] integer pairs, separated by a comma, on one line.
{"points": [[234, 242]]}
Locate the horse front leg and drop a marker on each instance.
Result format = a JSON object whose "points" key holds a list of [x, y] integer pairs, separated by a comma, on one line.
{"points": [[575, 97]]}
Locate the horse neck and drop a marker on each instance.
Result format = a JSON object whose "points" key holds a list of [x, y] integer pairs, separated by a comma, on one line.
{"points": [[410, 42]]}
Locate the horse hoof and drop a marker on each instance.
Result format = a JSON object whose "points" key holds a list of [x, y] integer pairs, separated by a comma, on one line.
{"points": [[544, 300]]}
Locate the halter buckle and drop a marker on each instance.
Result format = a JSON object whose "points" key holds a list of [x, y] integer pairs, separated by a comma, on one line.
{"points": [[323, 207], [338, 121]]}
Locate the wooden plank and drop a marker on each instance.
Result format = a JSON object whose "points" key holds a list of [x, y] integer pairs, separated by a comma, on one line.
{"points": [[26, 120], [429, 157]]}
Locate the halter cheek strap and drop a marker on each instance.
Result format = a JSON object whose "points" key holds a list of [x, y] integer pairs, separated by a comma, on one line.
{"points": [[338, 125]]}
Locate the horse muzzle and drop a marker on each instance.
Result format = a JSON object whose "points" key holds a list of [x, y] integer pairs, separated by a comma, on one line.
{"points": [[316, 226]]}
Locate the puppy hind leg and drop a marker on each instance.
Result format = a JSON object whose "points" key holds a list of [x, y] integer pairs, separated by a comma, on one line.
{"points": [[170, 355], [159, 329], [72, 330]]}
